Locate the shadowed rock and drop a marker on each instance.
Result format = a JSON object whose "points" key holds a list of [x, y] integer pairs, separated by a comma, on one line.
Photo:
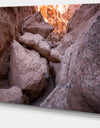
{"points": [[79, 72], [27, 70], [10, 20], [36, 42], [36, 25]]}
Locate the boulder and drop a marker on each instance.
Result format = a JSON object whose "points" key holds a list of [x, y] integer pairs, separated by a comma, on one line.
{"points": [[79, 71], [27, 70], [36, 42], [11, 95], [35, 24]]}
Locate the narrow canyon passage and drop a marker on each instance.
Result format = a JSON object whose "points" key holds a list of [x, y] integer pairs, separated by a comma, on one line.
{"points": [[50, 56]]}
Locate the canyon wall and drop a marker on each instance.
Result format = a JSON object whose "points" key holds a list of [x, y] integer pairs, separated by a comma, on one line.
{"points": [[65, 75], [10, 19], [78, 75]]}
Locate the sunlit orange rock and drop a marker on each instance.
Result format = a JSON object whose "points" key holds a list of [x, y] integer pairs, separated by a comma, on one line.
{"points": [[58, 15]]}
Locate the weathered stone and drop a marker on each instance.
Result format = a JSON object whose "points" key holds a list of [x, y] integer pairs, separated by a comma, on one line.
{"points": [[63, 97], [36, 42], [36, 25], [57, 99], [79, 71], [55, 56], [10, 20], [84, 13], [27, 70], [11, 95]]}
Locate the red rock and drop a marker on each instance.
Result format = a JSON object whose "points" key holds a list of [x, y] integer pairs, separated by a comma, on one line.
{"points": [[58, 16], [36, 25], [36, 42], [27, 70], [11, 95], [83, 14], [79, 72], [10, 19]]}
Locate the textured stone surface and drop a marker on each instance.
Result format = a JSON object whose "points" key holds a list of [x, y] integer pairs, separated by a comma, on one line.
{"points": [[10, 19], [79, 71], [57, 99], [27, 70], [63, 97], [36, 25], [11, 95], [84, 13], [36, 42]]}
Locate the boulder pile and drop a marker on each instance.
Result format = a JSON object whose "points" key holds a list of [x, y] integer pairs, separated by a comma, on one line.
{"points": [[29, 57]]}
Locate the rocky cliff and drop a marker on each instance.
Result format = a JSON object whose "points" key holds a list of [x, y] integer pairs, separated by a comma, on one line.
{"points": [[78, 77]]}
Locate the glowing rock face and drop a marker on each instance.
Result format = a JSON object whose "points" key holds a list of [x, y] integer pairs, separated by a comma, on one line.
{"points": [[58, 15]]}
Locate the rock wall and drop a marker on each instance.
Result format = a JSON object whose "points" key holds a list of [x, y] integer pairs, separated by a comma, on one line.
{"points": [[78, 78], [10, 19]]}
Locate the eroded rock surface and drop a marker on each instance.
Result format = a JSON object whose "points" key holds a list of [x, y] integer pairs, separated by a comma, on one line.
{"points": [[83, 14], [10, 20], [11, 95], [27, 70], [36, 25], [36, 42], [64, 98], [80, 68]]}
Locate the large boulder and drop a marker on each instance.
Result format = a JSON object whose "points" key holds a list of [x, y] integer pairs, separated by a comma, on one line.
{"points": [[63, 97], [36, 25], [57, 99], [11, 95], [37, 42], [79, 72], [27, 70], [10, 20]]}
